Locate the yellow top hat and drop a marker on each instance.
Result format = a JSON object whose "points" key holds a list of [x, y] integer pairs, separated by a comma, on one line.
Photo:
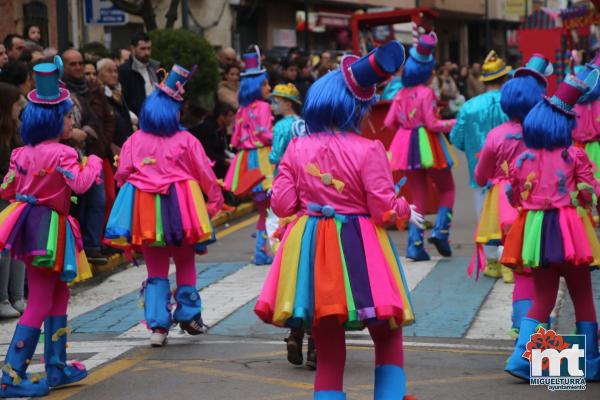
{"points": [[493, 67], [288, 91]]}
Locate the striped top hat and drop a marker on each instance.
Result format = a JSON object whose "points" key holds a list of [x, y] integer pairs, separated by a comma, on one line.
{"points": [[423, 51], [493, 67], [538, 66], [173, 84], [48, 89], [571, 90], [252, 63], [362, 75]]}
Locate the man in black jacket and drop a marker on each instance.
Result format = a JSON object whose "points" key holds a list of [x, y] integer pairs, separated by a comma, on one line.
{"points": [[139, 74]]}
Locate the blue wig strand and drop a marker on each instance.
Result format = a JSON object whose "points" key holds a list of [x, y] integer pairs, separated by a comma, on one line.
{"points": [[416, 73], [547, 128], [520, 95], [251, 88], [160, 114], [594, 94], [330, 106], [43, 122]]}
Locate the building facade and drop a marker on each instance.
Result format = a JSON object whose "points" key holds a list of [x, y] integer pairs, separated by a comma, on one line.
{"points": [[15, 15]]}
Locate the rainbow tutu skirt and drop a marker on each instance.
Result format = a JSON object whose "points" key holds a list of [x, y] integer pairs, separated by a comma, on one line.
{"points": [[346, 267], [243, 167], [45, 238], [178, 217], [497, 216], [540, 238], [418, 148]]}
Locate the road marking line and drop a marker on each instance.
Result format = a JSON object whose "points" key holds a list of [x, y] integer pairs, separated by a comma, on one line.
{"points": [[246, 377], [234, 228], [95, 377]]}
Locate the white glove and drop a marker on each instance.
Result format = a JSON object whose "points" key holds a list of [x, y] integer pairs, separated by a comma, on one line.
{"points": [[416, 218]]}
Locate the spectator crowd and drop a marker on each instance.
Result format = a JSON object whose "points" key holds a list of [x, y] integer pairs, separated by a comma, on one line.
{"points": [[108, 93]]}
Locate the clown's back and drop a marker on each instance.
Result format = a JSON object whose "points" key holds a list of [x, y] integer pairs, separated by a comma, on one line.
{"points": [[336, 253]]}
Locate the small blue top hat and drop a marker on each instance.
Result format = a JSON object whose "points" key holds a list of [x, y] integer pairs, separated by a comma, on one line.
{"points": [[48, 90], [252, 63], [538, 66], [422, 52], [571, 90], [173, 84], [362, 75]]}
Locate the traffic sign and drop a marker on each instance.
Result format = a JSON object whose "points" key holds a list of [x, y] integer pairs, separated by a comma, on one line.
{"points": [[104, 12]]}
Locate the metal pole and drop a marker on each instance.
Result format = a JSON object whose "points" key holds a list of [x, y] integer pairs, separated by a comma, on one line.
{"points": [[62, 22], [185, 23], [488, 43], [306, 31]]}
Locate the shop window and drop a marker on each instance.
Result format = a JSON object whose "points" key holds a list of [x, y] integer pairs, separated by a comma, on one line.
{"points": [[36, 13]]}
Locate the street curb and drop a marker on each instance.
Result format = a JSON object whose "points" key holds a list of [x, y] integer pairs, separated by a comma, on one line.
{"points": [[222, 218]]}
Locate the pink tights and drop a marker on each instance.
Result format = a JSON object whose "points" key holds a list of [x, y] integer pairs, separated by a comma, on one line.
{"points": [[579, 283], [524, 289], [48, 296], [261, 206], [157, 262], [330, 341], [419, 189]]}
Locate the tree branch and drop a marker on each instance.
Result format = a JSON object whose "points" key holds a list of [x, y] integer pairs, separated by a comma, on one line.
{"points": [[130, 7], [172, 14]]}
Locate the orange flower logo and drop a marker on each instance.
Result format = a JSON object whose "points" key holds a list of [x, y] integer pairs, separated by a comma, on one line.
{"points": [[545, 339]]}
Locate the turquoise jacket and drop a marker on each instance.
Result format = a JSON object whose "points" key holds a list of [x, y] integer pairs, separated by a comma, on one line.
{"points": [[282, 135], [475, 120], [390, 90]]}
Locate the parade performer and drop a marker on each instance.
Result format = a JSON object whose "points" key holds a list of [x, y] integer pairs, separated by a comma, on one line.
{"points": [[586, 133], [285, 99], [420, 150], [252, 136], [552, 182], [475, 120], [337, 268], [164, 175], [36, 227], [502, 145]]}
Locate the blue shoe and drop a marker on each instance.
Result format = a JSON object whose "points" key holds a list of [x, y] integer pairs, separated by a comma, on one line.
{"points": [[188, 309], [157, 303], [261, 256], [441, 232], [415, 250], [15, 382], [390, 382], [517, 365], [329, 395], [58, 372], [592, 357]]}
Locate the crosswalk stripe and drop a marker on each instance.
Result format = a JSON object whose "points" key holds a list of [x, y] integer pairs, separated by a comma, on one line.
{"points": [[221, 298]]}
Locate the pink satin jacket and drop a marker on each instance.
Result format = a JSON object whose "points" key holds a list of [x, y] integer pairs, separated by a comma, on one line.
{"points": [[342, 170], [253, 126], [46, 174]]}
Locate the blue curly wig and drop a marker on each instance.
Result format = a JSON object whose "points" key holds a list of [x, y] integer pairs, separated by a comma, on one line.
{"points": [[251, 88], [594, 94], [520, 95], [416, 73], [160, 114], [547, 128], [330, 106], [43, 122]]}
